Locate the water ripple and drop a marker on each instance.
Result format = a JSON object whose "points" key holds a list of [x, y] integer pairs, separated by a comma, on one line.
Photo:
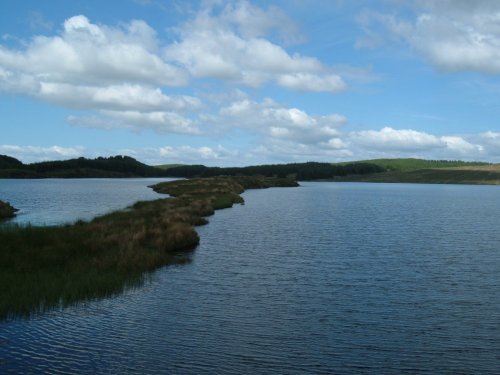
{"points": [[326, 278]]}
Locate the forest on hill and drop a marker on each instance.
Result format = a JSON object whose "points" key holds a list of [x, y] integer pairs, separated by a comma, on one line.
{"points": [[114, 166], [125, 166], [411, 164], [301, 171]]}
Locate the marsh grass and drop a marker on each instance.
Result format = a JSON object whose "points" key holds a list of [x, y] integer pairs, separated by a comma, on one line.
{"points": [[6, 210], [42, 268]]}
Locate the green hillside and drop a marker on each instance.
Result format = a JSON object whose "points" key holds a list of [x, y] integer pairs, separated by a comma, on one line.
{"points": [[415, 164], [470, 174]]}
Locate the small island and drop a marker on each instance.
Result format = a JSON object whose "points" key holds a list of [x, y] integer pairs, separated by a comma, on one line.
{"points": [[6, 210], [56, 266]]}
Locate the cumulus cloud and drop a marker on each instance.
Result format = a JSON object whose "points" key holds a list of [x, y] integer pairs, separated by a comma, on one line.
{"points": [[459, 146], [275, 145], [391, 139], [408, 141], [115, 97], [286, 133], [160, 121], [122, 74], [30, 154], [276, 150], [280, 122], [207, 155], [85, 52], [109, 71], [452, 35], [230, 45]]}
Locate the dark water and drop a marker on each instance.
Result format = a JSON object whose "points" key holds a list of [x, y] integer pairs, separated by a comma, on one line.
{"points": [[61, 201], [325, 278]]}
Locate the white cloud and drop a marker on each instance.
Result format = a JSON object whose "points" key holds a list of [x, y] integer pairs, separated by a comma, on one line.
{"points": [[115, 97], [160, 121], [231, 46], [391, 139], [489, 142], [30, 154], [277, 150], [452, 35], [193, 153], [110, 71], [276, 121], [216, 156], [286, 133], [254, 22], [120, 74], [88, 53], [402, 142], [311, 82], [460, 146]]}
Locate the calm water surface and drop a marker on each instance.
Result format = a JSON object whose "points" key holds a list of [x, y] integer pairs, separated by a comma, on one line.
{"points": [[60, 201], [325, 278]]}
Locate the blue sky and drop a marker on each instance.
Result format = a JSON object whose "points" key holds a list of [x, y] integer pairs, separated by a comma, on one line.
{"points": [[250, 82]]}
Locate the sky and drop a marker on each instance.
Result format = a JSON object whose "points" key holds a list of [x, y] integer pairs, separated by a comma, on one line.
{"points": [[234, 83]]}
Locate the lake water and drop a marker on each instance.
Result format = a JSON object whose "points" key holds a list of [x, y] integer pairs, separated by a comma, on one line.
{"points": [[321, 279], [60, 201]]}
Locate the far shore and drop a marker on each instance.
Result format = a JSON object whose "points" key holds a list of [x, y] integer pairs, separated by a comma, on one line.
{"points": [[477, 175]]}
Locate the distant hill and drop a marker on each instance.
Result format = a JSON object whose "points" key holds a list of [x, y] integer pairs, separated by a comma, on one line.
{"points": [[377, 170], [168, 166], [114, 166], [431, 172], [414, 164], [479, 175], [7, 162], [301, 171]]}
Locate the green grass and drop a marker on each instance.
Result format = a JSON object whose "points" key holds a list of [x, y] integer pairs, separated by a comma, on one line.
{"points": [[42, 268], [475, 175], [415, 164]]}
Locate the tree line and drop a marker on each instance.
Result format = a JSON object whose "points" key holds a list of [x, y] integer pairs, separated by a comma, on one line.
{"points": [[125, 166], [301, 171]]}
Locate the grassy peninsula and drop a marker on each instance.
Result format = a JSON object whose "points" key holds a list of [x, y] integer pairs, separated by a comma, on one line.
{"points": [[49, 267], [6, 210]]}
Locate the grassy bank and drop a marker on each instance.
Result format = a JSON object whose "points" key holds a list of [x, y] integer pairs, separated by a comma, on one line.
{"points": [[6, 210], [46, 267], [474, 175]]}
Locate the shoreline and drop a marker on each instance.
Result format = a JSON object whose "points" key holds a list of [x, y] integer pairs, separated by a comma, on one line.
{"points": [[7, 211], [449, 176], [45, 268]]}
